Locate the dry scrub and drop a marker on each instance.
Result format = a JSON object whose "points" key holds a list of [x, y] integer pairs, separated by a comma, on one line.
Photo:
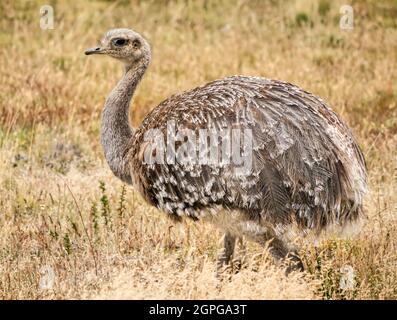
{"points": [[69, 229]]}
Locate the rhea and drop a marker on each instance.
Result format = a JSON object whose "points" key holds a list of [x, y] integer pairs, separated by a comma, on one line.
{"points": [[306, 168]]}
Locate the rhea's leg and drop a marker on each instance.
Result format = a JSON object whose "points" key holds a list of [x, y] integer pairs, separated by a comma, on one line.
{"points": [[279, 250], [225, 256], [287, 256], [240, 255]]}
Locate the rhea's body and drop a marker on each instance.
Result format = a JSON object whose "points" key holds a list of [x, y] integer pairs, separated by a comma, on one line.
{"points": [[306, 164]]}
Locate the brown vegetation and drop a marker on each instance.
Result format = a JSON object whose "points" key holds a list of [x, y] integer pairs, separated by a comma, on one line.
{"points": [[63, 214]]}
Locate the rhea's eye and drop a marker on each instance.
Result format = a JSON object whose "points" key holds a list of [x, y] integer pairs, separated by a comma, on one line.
{"points": [[119, 42]]}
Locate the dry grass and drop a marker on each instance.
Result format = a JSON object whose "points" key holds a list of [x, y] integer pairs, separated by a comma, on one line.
{"points": [[63, 212]]}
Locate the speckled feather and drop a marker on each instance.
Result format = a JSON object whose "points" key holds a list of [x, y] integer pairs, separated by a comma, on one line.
{"points": [[307, 166]]}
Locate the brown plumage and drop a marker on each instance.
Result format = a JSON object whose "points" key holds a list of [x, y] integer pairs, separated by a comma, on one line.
{"points": [[306, 165]]}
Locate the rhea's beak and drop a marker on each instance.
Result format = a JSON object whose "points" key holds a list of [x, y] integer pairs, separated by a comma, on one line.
{"points": [[96, 50]]}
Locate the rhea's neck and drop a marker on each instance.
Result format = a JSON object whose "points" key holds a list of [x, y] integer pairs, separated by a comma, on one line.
{"points": [[116, 131]]}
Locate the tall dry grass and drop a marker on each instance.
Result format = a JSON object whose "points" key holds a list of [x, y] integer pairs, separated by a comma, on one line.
{"points": [[69, 229]]}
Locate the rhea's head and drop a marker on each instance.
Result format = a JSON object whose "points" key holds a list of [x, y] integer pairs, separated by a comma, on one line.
{"points": [[125, 45]]}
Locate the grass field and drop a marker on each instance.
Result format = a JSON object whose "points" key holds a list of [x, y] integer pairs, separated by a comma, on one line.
{"points": [[70, 229]]}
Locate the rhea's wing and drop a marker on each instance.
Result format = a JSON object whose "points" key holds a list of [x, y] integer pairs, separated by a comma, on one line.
{"points": [[314, 155]]}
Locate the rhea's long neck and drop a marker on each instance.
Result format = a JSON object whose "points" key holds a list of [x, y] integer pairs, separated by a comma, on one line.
{"points": [[116, 131]]}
